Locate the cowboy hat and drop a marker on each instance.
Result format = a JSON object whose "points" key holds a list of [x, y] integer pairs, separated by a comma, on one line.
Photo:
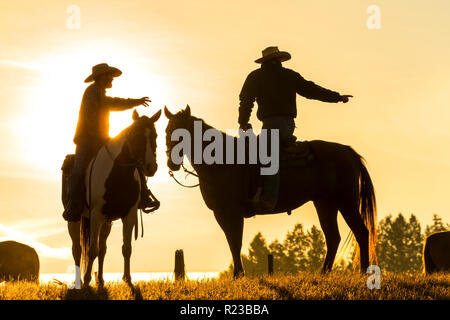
{"points": [[100, 69], [273, 53]]}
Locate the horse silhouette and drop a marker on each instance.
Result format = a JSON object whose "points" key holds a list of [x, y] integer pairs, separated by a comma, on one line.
{"points": [[436, 252], [113, 192], [18, 262], [336, 180]]}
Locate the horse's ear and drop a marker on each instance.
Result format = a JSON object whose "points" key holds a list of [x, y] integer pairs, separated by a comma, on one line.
{"points": [[135, 115], [167, 113], [156, 116], [188, 110]]}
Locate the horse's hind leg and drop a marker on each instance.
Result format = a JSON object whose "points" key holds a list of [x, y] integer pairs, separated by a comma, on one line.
{"points": [[327, 212], [104, 233], [354, 220], [74, 232], [128, 224], [93, 246]]}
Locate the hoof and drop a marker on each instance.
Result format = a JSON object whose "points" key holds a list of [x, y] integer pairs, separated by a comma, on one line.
{"points": [[127, 280], [86, 283], [99, 281]]}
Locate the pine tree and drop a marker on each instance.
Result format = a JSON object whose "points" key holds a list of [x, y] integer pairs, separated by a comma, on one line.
{"points": [[255, 263], [437, 226], [294, 245], [399, 244], [316, 249], [279, 256], [414, 242]]}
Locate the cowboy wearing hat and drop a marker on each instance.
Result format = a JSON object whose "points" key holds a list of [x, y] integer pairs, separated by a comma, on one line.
{"points": [[93, 131], [275, 88]]}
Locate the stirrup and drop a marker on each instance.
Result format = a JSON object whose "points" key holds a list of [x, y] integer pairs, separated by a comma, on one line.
{"points": [[150, 207], [259, 204]]}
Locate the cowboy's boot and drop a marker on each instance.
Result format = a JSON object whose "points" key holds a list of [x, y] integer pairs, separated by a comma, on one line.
{"points": [[75, 202], [147, 203], [266, 196], [259, 204]]}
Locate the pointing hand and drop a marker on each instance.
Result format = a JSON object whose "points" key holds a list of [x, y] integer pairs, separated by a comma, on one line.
{"points": [[344, 98]]}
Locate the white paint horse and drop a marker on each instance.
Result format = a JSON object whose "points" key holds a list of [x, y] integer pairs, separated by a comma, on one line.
{"points": [[436, 252], [113, 189]]}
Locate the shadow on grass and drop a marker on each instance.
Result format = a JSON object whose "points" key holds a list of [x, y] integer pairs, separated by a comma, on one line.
{"points": [[136, 291], [99, 293], [281, 291], [87, 294]]}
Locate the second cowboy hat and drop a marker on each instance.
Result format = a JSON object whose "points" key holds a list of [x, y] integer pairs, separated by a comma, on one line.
{"points": [[273, 53], [100, 69]]}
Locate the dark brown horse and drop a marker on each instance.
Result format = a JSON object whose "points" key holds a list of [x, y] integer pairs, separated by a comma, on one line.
{"points": [[436, 252], [336, 180], [18, 262]]}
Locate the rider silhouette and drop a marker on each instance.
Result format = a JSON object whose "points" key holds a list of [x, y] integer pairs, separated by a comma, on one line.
{"points": [[274, 88], [93, 131]]}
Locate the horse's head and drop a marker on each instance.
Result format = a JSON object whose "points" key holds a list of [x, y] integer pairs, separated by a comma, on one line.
{"points": [[180, 120], [142, 141]]}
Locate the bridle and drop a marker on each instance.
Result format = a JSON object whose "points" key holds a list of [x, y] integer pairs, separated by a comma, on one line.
{"points": [[188, 172]]}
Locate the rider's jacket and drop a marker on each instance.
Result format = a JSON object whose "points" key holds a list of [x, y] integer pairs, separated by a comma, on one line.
{"points": [[274, 88], [93, 119]]}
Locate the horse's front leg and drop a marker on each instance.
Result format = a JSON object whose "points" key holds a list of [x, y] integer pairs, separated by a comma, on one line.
{"points": [[95, 224], [128, 224], [104, 233], [232, 224]]}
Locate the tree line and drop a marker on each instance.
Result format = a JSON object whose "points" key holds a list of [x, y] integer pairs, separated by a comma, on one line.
{"points": [[399, 248]]}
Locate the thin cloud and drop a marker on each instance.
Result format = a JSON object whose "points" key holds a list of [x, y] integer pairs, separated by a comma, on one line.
{"points": [[42, 249], [22, 65]]}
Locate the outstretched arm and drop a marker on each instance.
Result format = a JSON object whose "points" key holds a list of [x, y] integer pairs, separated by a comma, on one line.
{"points": [[247, 98], [310, 90], [120, 104]]}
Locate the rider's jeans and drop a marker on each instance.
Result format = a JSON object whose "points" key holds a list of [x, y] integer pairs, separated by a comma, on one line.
{"points": [[286, 127], [83, 155]]}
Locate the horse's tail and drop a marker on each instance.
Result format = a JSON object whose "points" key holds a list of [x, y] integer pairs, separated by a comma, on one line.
{"points": [[368, 210], [85, 240], [428, 264]]}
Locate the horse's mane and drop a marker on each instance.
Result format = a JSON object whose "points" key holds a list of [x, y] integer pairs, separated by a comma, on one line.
{"points": [[128, 129], [205, 126]]}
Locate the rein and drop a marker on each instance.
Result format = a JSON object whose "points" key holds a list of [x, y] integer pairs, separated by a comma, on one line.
{"points": [[188, 173]]}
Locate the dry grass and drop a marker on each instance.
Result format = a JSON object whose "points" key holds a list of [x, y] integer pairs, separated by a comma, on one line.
{"points": [[336, 286]]}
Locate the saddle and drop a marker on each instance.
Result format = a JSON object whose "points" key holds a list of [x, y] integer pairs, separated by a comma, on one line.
{"points": [[297, 154], [66, 169]]}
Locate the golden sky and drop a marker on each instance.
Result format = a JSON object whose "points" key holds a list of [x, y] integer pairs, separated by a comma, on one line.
{"points": [[199, 53]]}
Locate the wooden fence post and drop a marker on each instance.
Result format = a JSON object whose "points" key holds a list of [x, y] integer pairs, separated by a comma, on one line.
{"points": [[270, 263], [179, 271]]}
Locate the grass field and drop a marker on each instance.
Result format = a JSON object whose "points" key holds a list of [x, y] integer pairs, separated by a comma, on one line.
{"points": [[338, 286]]}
